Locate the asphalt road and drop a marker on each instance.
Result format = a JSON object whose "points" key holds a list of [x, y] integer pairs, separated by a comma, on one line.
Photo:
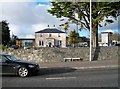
{"points": [[65, 77]]}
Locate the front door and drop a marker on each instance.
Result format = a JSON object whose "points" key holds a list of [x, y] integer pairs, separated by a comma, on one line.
{"points": [[49, 44]]}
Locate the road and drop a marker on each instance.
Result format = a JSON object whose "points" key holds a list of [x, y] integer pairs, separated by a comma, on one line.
{"points": [[65, 77]]}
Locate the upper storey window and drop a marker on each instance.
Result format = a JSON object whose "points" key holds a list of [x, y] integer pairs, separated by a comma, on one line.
{"points": [[59, 35], [50, 35], [41, 35]]}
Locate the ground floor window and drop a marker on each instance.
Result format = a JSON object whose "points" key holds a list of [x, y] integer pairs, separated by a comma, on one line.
{"points": [[28, 43], [58, 43], [41, 43]]}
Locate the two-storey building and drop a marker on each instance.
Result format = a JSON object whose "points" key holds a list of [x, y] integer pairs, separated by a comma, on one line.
{"points": [[50, 37]]}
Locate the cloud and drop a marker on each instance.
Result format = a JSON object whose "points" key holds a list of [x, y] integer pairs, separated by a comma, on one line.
{"points": [[109, 30], [44, 17], [30, 36], [26, 17], [14, 29], [17, 0], [0, 10], [38, 27], [19, 13], [112, 26]]}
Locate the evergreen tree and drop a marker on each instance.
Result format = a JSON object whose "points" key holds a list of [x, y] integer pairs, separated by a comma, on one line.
{"points": [[4, 33], [73, 38]]}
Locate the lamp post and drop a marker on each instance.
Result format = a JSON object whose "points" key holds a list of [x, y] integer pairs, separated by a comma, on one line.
{"points": [[90, 31]]}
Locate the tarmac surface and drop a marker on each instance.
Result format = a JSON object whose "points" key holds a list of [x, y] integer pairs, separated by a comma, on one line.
{"points": [[98, 73]]}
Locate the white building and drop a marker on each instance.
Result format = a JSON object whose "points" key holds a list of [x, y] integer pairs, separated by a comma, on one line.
{"points": [[106, 38], [50, 37]]}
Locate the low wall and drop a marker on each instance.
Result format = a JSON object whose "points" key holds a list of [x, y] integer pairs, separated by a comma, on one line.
{"points": [[57, 54]]}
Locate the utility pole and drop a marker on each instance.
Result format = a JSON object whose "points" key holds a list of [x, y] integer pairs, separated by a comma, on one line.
{"points": [[90, 31]]}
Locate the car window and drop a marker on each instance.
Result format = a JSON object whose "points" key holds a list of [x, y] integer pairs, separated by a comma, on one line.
{"points": [[2, 59], [11, 57]]}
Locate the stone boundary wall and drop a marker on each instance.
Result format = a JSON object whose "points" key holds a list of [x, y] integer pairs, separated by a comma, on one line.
{"points": [[57, 54]]}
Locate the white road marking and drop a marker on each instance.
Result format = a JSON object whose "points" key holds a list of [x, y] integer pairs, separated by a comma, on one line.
{"points": [[58, 78]]}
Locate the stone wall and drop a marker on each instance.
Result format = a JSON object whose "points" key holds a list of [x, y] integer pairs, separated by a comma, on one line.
{"points": [[57, 54]]}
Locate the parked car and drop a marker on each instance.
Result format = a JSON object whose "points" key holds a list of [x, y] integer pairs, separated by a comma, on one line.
{"points": [[27, 47], [9, 65], [69, 46], [14, 47]]}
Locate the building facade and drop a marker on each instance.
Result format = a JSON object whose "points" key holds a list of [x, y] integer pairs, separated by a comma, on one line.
{"points": [[50, 37], [106, 38], [24, 42]]}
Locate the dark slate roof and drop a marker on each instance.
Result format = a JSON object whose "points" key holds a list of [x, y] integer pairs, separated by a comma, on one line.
{"points": [[50, 30]]}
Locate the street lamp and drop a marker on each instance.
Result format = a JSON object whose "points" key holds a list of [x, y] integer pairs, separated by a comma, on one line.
{"points": [[90, 31]]}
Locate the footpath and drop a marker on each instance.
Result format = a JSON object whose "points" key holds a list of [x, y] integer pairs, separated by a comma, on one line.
{"points": [[83, 64]]}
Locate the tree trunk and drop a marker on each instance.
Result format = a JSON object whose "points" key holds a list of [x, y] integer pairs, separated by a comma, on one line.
{"points": [[95, 26], [95, 36]]}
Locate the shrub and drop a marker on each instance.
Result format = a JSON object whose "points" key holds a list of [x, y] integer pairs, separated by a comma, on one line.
{"points": [[2, 47]]}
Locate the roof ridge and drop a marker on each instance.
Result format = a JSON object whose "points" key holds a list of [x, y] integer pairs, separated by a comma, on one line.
{"points": [[50, 30]]}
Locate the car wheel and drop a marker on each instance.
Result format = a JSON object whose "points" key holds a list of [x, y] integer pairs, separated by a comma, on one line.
{"points": [[23, 72]]}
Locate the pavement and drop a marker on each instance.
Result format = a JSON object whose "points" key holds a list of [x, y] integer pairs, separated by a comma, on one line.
{"points": [[83, 64]]}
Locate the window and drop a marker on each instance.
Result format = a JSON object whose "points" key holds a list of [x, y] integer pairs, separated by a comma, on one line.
{"points": [[58, 34], [41, 35], [11, 57], [58, 43], [50, 35], [41, 43], [2, 59], [26, 44]]}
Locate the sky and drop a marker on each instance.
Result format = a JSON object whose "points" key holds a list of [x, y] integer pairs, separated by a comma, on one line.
{"points": [[25, 18]]}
